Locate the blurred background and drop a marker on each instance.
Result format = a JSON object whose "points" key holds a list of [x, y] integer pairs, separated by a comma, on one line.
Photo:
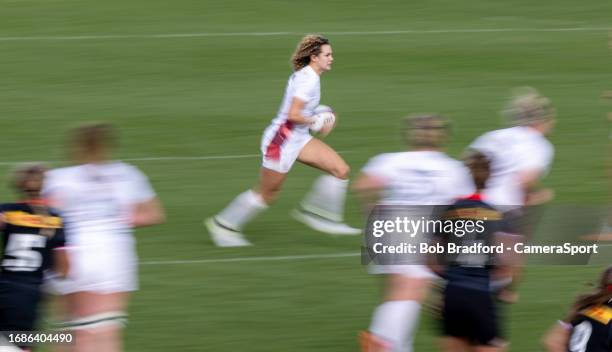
{"points": [[191, 85]]}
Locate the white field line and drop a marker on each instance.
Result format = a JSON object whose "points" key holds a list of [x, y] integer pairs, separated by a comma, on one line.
{"points": [[252, 259], [164, 158], [277, 34]]}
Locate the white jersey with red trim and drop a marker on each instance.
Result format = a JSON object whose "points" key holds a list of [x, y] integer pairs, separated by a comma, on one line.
{"points": [[420, 178], [283, 140], [512, 151], [304, 84]]}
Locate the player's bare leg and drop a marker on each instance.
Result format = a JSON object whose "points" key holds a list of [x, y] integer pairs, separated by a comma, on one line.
{"points": [[323, 207], [110, 339], [406, 288], [453, 344], [98, 320], [489, 349], [372, 343], [60, 311], [508, 274], [270, 184], [321, 156]]}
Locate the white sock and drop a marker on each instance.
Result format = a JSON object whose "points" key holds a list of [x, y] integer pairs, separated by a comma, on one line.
{"points": [[241, 210], [326, 198], [396, 322]]}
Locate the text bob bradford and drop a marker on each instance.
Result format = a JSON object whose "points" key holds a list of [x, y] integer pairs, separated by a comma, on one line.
{"points": [[480, 248]]}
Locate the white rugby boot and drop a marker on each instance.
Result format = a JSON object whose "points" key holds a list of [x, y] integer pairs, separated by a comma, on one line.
{"points": [[224, 236], [321, 224]]}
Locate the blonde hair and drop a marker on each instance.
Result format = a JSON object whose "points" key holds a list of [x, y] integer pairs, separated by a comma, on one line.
{"points": [[527, 106], [426, 130], [309, 45]]}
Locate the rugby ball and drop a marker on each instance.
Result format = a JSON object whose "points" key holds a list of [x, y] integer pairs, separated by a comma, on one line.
{"points": [[325, 120]]}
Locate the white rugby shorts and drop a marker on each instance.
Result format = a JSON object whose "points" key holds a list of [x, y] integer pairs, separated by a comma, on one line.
{"points": [[99, 269], [281, 146]]}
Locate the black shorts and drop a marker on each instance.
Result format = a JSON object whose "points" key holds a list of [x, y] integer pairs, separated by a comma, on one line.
{"points": [[471, 315], [18, 306]]}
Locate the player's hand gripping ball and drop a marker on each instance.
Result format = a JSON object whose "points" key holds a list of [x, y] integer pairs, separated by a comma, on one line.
{"points": [[324, 121]]}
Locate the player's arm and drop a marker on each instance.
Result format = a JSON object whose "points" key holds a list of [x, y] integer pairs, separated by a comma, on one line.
{"points": [[373, 180], [534, 194], [368, 188], [61, 264], [533, 168], [148, 213], [557, 338], [434, 261], [597, 237], [295, 112]]}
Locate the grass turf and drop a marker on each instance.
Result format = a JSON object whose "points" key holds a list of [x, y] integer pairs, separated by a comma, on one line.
{"points": [[214, 95]]}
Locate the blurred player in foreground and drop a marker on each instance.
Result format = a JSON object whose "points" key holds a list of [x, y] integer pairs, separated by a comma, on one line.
{"points": [[423, 176], [470, 318], [101, 200], [588, 327], [286, 140], [520, 156], [32, 241]]}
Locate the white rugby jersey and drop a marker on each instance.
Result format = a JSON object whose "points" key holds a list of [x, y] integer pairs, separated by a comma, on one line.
{"points": [[420, 178], [304, 84], [512, 151], [96, 200]]}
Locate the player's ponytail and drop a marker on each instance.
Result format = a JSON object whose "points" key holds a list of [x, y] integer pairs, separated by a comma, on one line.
{"points": [[601, 295], [309, 45]]}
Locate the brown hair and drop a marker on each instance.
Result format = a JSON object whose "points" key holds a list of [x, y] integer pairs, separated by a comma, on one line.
{"points": [[23, 174], [480, 168], [601, 295], [309, 45]]}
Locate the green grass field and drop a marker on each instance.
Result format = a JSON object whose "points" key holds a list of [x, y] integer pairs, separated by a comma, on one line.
{"points": [[201, 94]]}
